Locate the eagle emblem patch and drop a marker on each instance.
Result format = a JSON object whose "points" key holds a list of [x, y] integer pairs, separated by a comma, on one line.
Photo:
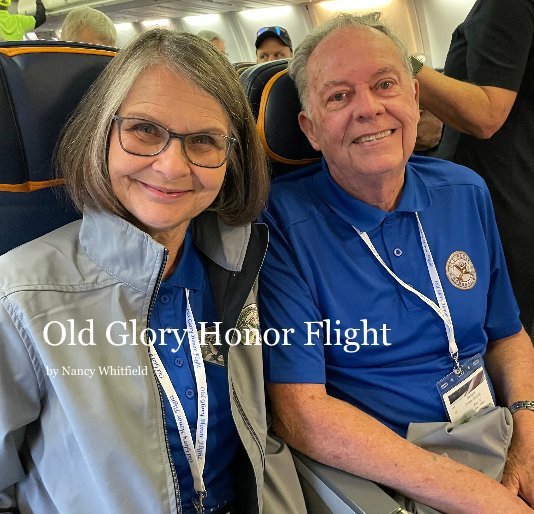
{"points": [[460, 271]]}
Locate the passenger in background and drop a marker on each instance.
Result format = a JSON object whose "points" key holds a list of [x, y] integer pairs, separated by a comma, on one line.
{"points": [[148, 411], [14, 26], [214, 38], [273, 43], [486, 101], [88, 25], [429, 131], [362, 249]]}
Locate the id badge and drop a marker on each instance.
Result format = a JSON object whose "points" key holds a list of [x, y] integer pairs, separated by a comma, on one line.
{"points": [[465, 393]]}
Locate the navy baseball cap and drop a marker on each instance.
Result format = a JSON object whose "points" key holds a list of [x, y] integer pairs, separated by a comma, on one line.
{"points": [[275, 31]]}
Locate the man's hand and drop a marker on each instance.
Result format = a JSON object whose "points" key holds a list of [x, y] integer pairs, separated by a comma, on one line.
{"points": [[518, 474], [510, 363], [361, 445]]}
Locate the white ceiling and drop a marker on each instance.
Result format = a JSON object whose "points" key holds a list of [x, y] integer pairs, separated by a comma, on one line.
{"points": [[122, 11], [137, 10]]}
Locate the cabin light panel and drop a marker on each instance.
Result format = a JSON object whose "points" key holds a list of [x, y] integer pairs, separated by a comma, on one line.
{"points": [[202, 20], [268, 13], [123, 26], [352, 5], [164, 22]]}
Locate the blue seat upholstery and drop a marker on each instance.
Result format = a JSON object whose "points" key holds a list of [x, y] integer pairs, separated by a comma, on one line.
{"points": [[275, 105], [41, 82]]}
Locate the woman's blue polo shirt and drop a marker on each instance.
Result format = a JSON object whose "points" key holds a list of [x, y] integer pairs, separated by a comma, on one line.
{"points": [[384, 349], [223, 440]]}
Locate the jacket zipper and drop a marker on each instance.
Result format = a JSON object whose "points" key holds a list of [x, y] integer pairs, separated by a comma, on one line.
{"points": [[249, 426], [169, 453], [234, 394]]}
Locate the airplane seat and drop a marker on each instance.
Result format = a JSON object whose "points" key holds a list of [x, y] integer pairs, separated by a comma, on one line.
{"points": [[240, 67], [275, 105], [41, 82]]}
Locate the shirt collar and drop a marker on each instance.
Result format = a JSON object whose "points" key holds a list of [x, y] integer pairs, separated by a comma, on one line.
{"points": [[415, 197], [189, 271]]}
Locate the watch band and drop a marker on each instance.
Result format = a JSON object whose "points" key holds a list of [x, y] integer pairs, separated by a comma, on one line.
{"points": [[523, 404], [416, 63]]}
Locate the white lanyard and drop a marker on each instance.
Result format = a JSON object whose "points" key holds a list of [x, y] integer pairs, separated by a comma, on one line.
{"points": [[443, 309], [196, 455]]}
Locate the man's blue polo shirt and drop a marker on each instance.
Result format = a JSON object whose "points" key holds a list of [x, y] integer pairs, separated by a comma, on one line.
{"points": [[223, 440], [318, 268]]}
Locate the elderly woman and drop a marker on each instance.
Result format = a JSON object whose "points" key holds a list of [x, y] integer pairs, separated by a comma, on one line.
{"points": [[123, 386]]}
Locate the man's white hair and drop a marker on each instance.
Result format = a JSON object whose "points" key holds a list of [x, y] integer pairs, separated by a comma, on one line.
{"points": [[209, 35], [84, 17]]}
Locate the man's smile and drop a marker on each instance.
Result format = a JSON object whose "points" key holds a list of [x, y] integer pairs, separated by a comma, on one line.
{"points": [[373, 137]]}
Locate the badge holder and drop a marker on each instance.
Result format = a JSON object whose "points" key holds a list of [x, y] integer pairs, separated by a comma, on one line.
{"points": [[466, 390]]}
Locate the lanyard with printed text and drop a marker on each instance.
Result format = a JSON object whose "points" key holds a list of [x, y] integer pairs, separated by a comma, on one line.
{"points": [[443, 309], [195, 455]]}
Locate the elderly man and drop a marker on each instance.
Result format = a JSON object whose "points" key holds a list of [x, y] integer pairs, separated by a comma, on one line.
{"points": [[88, 25], [214, 38], [386, 274]]}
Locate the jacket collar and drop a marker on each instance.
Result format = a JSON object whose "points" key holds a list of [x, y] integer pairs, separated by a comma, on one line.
{"points": [[225, 245], [133, 257]]}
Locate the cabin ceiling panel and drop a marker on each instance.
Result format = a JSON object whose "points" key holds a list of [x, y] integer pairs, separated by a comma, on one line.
{"points": [[142, 9], [121, 11]]}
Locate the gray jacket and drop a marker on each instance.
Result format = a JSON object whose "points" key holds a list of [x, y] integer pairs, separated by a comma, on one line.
{"points": [[76, 439]]}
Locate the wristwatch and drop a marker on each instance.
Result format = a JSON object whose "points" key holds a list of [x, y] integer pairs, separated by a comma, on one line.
{"points": [[524, 404], [416, 63]]}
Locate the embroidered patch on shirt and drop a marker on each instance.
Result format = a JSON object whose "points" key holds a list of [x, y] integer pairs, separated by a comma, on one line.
{"points": [[460, 271], [210, 351], [248, 333], [248, 324]]}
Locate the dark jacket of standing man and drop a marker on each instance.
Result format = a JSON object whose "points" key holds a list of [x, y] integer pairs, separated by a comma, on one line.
{"points": [[486, 101]]}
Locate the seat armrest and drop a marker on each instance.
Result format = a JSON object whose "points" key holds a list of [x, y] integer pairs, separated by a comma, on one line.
{"points": [[329, 490]]}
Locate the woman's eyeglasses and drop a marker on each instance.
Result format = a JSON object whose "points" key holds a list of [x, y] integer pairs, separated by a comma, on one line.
{"points": [[147, 138]]}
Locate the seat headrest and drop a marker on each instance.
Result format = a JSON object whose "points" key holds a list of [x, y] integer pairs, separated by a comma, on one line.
{"points": [[41, 82], [240, 67], [275, 105]]}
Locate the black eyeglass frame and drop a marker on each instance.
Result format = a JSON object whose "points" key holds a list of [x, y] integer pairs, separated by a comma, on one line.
{"points": [[174, 135]]}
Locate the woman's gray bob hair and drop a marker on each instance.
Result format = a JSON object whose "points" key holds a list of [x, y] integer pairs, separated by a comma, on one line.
{"points": [[81, 155], [297, 65]]}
